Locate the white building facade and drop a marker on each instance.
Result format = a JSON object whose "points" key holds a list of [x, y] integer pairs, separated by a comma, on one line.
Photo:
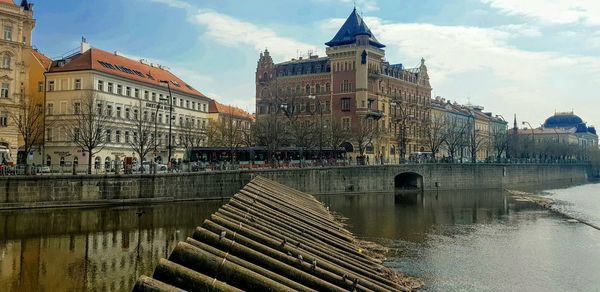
{"points": [[125, 90]]}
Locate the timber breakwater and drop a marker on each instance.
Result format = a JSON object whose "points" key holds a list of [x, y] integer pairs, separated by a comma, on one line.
{"points": [[270, 237]]}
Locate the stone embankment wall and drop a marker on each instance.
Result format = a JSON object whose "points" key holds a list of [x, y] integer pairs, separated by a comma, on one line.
{"points": [[47, 191]]}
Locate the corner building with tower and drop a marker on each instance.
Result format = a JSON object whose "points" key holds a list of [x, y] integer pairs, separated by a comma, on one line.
{"points": [[353, 85]]}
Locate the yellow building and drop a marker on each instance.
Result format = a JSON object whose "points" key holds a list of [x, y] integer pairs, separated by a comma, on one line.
{"points": [[15, 46]]}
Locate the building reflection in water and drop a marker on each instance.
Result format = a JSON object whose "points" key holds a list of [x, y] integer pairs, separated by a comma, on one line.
{"points": [[409, 218], [91, 249]]}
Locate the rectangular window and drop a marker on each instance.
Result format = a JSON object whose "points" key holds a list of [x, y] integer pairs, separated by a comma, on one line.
{"points": [[99, 108], [50, 109], [3, 119], [203, 107], [77, 108], [108, 136], [8, 32], [128, 91], [146, 94], [50, 85], [346, 123], [136, 93], [4, 90], [109, 110], [193, 105], [127, 113], [40, 86], [118, 136], [49, 134], [77, 84], [187, 104], [119, 89], [118, 112], [110, 87], [63, 107], [100, 85], [153, 96], [345, 104]]}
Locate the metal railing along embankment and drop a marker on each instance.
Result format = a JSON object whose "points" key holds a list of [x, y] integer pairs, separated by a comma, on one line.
{"points": [[270, 237]]}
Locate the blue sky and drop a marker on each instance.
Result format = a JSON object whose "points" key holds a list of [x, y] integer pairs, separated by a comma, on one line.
{"points": [[530, 57]]}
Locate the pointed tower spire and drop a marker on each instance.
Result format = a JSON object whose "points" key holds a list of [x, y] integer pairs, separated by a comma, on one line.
{"points": [[515, 123]]}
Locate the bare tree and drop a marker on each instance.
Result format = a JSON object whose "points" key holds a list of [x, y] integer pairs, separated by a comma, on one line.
{"points": [[500, 141], [271, 133], [88, 124], [29, 121], [477, 140], [364, 134], [191, 136], [435, 133], [336, 134], [144, 137], [303, 133], [225, 132], [455, 137]]}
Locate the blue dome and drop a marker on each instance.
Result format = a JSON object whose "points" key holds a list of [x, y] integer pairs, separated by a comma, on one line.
{"points": [[564, 120]]}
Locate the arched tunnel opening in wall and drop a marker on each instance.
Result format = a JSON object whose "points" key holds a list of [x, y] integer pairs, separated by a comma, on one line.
{"points": [[408, 188], [411, 181]]}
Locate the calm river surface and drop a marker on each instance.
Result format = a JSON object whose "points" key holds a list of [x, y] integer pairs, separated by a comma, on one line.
{"points": [[468, 241], [484, 240]]}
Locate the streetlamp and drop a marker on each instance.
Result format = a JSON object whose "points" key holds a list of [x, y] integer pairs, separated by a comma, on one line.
{"points": [[156, 131], [170, 118], [318, 108], [532, 135]]}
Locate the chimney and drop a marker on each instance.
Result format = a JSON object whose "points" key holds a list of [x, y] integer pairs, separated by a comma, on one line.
{"points": [[85, 46]]}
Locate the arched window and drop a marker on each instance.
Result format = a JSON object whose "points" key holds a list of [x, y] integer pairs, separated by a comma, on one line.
{"points": [[75, 160], [327, 87], [6, 60], [48, 160], [307, 90], [297, 89], [318, 88], [62, 161], [264, 92], [107, 164], [265, 76], [97, 162]]}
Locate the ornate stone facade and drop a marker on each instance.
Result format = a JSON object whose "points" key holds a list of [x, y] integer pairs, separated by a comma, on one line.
{"points": [[16, 22], [352, 85]]}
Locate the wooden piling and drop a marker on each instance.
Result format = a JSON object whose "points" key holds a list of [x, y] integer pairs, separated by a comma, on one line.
{"points": [[270, 237]]}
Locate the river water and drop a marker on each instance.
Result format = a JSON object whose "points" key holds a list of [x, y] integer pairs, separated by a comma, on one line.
{"points": [[467, 240]]}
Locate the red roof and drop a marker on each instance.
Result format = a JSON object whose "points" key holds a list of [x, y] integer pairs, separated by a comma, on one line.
{"points": [[46, 62], [111, 63], [216, 107], [11, 2]]}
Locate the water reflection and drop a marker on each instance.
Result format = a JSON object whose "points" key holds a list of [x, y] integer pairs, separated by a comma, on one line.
{"points": [[91, 249], [481, 240], [413, 216]]}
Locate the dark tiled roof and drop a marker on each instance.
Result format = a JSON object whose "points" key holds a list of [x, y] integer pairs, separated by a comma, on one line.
{"points": [[314, 65], [353, 27]]}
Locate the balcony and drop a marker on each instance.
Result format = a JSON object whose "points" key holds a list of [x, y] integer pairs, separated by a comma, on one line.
{"points": [[374, 74], [374, 114]]}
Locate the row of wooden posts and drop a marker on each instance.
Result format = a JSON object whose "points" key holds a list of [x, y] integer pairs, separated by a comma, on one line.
{"points": [[270, 237]]}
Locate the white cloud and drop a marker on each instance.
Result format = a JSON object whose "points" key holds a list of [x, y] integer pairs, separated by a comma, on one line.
{"points": [[361, 5], [552, 11], [521, 29], [233, 32], [175, 4], [482, 63]]}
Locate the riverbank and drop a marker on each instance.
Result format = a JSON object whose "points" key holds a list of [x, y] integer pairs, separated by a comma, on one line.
{"points": [[97, 190]]}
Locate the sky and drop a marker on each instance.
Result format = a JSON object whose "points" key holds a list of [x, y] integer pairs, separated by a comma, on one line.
{"points": [[530, 58]]}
